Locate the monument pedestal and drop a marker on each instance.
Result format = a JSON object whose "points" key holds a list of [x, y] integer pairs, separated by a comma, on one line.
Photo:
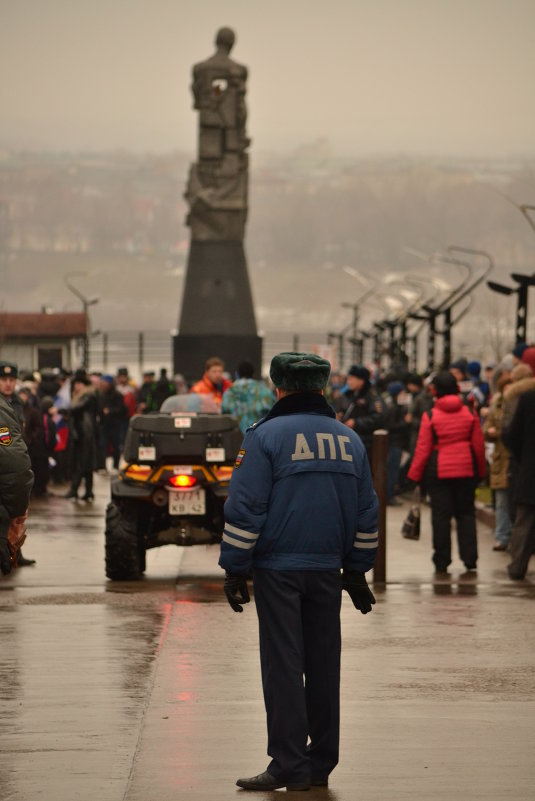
{"points": [[217, 316], [191, 353]]}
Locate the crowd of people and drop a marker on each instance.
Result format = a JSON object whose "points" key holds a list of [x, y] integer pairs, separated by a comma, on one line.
{"points": [[75, 423], [448, 431]]}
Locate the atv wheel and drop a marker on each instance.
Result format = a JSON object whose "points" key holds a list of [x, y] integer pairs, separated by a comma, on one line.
{"points": [[122, 545]]}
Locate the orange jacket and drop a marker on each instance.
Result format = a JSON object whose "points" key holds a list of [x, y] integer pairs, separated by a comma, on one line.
{"points": [[206, 387]]}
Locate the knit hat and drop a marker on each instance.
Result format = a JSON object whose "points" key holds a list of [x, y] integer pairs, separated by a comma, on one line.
{"points": [[299, 372], [445, 384], [394, 388], [519, 349], [8, 370], [528, 357], [474, 369], [507, 362], [359, 371], [107, 378]]}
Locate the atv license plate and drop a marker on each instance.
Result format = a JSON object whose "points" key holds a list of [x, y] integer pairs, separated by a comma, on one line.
{"points": [[188, 502]]}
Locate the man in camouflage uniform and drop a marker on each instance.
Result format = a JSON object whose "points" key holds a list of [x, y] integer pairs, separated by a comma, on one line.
{"points": [[16, 479]]}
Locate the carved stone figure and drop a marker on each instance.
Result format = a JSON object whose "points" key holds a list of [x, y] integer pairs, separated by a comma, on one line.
{"points": [[217, 315], [217, 185]]}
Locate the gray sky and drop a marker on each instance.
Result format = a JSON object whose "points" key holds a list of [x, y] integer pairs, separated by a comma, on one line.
{"points": [[450, 77]]}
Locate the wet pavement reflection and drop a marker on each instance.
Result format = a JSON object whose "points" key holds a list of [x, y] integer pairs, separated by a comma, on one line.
{"points": [[151, 691]]}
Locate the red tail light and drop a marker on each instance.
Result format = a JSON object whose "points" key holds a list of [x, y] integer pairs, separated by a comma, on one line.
{"points": [[182, 481]]}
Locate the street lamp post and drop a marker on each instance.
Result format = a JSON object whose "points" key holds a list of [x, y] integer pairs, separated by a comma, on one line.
{"points": [[521, 292], [86, 303]]}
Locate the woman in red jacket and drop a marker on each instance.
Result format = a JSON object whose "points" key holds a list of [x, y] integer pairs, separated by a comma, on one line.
{"points": [[450, 451]]}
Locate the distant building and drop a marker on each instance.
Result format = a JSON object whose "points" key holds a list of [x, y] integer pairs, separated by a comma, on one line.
{"points": [[35, 340]]}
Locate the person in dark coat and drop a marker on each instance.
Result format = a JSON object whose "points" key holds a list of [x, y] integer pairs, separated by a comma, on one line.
{"points": [[146, 401], [422, 402], [83, 435], [111, 416], [16, 479], [362, 408], [451, 452], [34, 437], [164, 388], [8, 379], [398, 438], [520, 438]]}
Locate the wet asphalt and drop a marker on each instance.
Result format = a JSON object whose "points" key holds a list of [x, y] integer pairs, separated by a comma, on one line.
{"points": [[150, 691]]}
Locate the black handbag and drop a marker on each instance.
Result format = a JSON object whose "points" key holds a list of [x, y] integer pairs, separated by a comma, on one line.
{"points": [[411, 525]]}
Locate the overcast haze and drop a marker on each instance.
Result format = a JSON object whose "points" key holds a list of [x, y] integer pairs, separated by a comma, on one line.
{"points": [[448, 77]]}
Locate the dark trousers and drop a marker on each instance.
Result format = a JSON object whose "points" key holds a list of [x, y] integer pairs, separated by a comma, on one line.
{"points": [[453, 497], [109, 438], [522, 542], [393, 462], [76, 480], [299, 623]]}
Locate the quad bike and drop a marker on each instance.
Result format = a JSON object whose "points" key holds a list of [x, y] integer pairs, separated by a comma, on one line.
{"points": [[172, 487]]}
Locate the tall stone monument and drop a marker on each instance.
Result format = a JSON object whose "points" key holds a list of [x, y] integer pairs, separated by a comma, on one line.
{"points": [[217, 316]]}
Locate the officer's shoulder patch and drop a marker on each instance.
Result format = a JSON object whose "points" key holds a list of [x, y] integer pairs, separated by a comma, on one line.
{"points": [[5, 436], [239, 458]]}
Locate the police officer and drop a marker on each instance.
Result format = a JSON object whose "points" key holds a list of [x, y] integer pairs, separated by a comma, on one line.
{"points": [[301, 507], [16, 479], [8, 379], [363, 409]]}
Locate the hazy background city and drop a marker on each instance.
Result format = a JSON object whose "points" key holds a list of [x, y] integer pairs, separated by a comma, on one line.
{"points": [[380, 130]]}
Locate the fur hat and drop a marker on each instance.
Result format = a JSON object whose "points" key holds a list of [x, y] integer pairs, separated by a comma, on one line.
{"points": [[8, 370], [359, 371], [299, 372]]}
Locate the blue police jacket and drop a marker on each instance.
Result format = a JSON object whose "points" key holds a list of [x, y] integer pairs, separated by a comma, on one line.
{"points": [[301, 494]]}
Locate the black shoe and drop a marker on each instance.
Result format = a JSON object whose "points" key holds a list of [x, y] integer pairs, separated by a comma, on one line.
{"points": [[265, 781], [71, 494], [499, 546], [23, 562], [90, 497], [394, 502], [319, 781], [515, 576]]}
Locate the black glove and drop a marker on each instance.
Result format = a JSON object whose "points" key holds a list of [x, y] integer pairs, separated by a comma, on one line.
{"points": [[356, 586], [236, 591], [5, 556]]}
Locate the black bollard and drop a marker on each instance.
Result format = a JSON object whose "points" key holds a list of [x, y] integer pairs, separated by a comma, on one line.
{"points": [[379, 456]]}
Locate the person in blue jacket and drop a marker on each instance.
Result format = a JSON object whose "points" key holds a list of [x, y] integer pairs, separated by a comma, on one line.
{"points": [[301, 508]]}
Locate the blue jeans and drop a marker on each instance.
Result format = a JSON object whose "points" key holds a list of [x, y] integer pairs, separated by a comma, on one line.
{"points": [[502, 532]]}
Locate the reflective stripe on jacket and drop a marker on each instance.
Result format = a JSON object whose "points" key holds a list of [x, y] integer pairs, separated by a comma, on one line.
{"points": [[301, 495]]}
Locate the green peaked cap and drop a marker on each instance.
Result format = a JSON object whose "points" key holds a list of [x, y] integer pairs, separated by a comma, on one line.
{"points": [[299, 372]]}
